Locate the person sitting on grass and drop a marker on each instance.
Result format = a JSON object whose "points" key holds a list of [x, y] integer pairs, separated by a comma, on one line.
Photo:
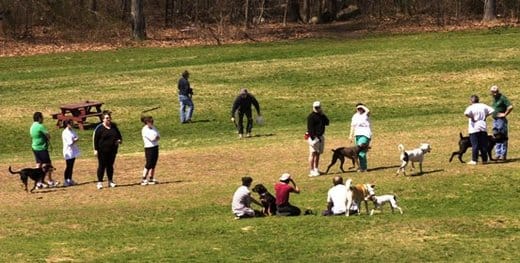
{"points": [[241, 204], [283, 189]]}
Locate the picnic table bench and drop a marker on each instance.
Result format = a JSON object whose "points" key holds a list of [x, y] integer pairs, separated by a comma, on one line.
{"points": [[79, 112]]}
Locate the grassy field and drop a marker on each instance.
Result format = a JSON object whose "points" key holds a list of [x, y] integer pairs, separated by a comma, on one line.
{"points": [[417, 87]]}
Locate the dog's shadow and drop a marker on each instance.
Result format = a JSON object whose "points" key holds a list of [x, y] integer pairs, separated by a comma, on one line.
{"points": [[206, 120], [425, 173], [160, 183], [383, 168], [262, 135]]}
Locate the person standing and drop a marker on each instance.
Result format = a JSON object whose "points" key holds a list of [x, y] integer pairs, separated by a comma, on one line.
{"points": [[241, 204], [242, 104], [477, 113], [185, 98], [70, 151], [151, 150], [107, 139], [336, 198], [40, 138], [316, 122], [502, 107], [360, 130], [282, 191]]}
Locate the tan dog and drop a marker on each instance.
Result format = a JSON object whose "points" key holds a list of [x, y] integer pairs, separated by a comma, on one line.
{"points": [[358, 193]]}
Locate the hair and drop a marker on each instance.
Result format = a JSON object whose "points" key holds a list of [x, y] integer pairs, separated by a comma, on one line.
{"points": [[185, 74], [337, 180], [246, 180], [106, 112], [146, 119], [474, 99], [66, 123], [38, 116]]}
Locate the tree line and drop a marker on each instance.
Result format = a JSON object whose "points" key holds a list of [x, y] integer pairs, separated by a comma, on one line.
{"points": [[19, 18]]}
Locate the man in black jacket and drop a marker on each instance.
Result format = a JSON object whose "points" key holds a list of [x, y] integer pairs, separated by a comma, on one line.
{"points": [[316, 122], [185, 95], [242, 104]]}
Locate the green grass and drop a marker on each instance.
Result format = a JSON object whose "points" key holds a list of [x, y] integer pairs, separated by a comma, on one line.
{"points": [[416, 85]]}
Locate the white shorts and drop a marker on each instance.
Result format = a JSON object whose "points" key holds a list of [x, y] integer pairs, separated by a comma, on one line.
{"points": [[316, 146]]}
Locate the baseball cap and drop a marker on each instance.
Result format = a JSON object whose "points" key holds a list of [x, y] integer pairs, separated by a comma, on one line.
{"points": [[494, 88], [316, 104], [285, 176]]}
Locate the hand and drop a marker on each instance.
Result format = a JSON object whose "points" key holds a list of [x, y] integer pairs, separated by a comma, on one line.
{"points": [[501, 114], [95, 153], [232, 119]]}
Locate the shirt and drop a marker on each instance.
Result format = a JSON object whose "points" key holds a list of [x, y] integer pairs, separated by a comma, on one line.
{"points": [[477, 113], [184, 87], [241, 199], [70, 149], [500, 104], [282, 193], [316, 123], [338, 196], [361, 124], [38, 134], [150, 136]]}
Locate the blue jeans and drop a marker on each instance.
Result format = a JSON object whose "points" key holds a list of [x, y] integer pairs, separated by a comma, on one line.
{"points": [[186, 108], [479, 143], [500, 128]]}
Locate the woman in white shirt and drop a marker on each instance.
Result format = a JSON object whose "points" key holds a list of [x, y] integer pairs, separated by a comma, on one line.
{"points": [[151, 150], [70, 150], [361, 130]]}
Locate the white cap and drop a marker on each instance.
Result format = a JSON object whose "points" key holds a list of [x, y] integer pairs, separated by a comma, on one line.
{"points": [[494, 88], [285, 177], [316, 104]]}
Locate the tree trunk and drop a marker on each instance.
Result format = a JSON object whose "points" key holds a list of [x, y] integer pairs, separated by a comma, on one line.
{"points": [[490, 7], [246, 14], [138, 23]]}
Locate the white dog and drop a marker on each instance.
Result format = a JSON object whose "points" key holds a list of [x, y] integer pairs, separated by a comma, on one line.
{"points": [[356, 194], [382, 199], [415, 155]]}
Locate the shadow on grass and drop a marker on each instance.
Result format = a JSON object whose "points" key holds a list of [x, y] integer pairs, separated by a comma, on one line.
{"points": [[426, 173], [160, 183], [384, 168], [262, 135]]}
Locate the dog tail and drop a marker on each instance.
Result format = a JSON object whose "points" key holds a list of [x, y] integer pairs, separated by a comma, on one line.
{"points": [[401, 148], [460, 134], [13, 172]]}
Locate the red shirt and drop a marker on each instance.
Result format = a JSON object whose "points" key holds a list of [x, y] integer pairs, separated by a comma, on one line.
{"points": [[282, 191]]}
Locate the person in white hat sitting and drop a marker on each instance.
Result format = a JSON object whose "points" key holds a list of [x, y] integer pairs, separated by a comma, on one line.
{"points": [[282, 190]]}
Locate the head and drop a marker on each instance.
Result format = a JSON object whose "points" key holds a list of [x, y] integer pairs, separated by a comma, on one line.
{"points": [[370, 189], [316, 106], [360, 107], [259, 188], [494, 91], [246, 181], [474, 99], [243, 92], [286, 177], [38, 117], [147, 120], [425, 147], [185, 74], [67, 124], [107, 117], [337, 180]]}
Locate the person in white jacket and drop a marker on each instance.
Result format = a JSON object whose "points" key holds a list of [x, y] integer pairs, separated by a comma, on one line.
{"points": [[70, 150], [151, 150], [360, 130]]}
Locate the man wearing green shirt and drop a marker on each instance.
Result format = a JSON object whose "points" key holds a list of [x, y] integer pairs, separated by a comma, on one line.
{"points": [[40, 146], [502, 107]]}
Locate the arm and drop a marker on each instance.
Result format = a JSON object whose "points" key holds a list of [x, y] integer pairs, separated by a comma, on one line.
{"points": [[296, 188], [256, 104], [508, 110], [235, 106]]}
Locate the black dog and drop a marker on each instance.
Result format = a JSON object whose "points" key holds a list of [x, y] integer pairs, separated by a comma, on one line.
{"points": [[266, 198], [36, 174], [465, 143], [341, 153]]}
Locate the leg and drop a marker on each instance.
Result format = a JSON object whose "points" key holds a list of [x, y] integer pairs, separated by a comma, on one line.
{"points": [[249, 126], [191, 108], [101, 166], [362, 155], [483, 145], [111, 158], [474, 146], [240, 123], [182, 107]]}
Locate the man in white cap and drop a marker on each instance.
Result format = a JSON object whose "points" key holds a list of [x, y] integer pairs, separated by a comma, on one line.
{"points": [[282, 190], [361, 130], [502, 107], [316, 122], [242, 105]]}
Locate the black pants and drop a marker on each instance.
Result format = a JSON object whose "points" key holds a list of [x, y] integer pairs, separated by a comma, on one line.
{"points": [[151, 155], [106, 163], [240, 124], [288, 210], [69, 168]]}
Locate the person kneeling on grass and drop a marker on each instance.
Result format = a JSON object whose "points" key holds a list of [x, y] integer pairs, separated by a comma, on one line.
{"points": [[283, 189], [241, 204]]}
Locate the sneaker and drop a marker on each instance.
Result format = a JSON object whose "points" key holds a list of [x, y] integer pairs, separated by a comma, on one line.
{"points": [[240, 136], [314, 173], [112, 184], [237, 218], [248, 135], [472, 163], [53, 183], [485, 162], [361, 170], [67, 183], [153, 181], [144, 182], [39, 185], [99, 185]]}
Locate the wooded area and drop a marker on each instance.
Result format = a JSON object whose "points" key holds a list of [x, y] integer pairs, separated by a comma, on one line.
{"points": [[20, 19]]}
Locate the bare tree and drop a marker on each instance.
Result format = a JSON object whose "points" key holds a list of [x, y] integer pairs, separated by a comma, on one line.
{"points": [[490, 7], [138, 22]]}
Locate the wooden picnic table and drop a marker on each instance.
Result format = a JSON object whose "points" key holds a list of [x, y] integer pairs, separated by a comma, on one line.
{"points": [[79, 112]]}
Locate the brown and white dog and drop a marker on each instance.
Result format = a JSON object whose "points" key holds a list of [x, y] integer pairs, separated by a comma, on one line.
{"points": [[415, 155], [358, 193]]}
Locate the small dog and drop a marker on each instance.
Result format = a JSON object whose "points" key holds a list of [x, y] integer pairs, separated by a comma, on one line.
{"points": [[36, 174], [341, 153], [415, 155], [267, 199], [380, 200], [358, 193], [465, 143]]}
